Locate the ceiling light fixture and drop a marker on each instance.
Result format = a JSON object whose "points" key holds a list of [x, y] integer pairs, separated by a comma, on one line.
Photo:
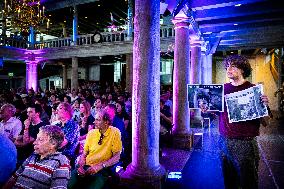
{"points": [[24, 14]]}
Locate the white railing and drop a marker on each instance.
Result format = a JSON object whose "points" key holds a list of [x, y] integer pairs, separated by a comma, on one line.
{"points": [[88, 39]]}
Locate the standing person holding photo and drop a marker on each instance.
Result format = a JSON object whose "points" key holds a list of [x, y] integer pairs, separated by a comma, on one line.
{"points": [[239, 150]]}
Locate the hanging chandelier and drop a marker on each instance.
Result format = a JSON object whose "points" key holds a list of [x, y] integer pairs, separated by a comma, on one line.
{"points": [[23, 14]]}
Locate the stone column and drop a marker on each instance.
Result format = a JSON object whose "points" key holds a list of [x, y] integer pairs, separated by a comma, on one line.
{"points": [[74, 73], [31, 75], [64, 76], [129, 72], [181, 129], [87, 72], [195, 63], [206, 71], [75, 25], [145, 171], [203, 67]]}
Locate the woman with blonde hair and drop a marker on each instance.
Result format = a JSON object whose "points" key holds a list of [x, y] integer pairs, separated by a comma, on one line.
{"points": [[87, 119]]}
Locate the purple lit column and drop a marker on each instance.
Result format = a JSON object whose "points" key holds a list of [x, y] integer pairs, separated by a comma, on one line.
{"points": [[31, 75], [74, 73], [129, 72], [181, 129], [195, 63], [145, 170]]}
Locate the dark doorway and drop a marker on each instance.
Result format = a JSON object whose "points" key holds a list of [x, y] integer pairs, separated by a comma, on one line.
{"points": [[106, 73]]}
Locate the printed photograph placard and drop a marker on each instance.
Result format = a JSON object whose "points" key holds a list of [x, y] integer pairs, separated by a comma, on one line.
{"points": [[209, 96], [246, 104]]}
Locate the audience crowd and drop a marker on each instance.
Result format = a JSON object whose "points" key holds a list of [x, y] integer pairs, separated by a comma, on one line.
{"points": [[59, 128]]}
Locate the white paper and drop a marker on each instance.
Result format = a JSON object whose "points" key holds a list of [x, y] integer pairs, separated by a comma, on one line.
{"points": [[246, 104]]}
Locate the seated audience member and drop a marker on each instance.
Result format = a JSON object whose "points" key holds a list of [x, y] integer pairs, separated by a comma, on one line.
{"points": [[54, 117], [73, 96], [46, 168], [166, 124], [67, 99], [76, 111], [121, 113], [102, 150], [52, 100], [126, 141], [9, 125], [97, 107], [117, 122], [87, 119], [24, 142], [43, 115], [8, 159], [70, 129]]}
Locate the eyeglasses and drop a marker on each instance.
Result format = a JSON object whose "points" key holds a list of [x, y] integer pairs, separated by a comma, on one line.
{"points": [[101, 139]]}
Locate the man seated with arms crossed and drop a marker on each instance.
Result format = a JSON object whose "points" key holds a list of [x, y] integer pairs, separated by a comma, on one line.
{"points": [[46, 168], [102, 150]]}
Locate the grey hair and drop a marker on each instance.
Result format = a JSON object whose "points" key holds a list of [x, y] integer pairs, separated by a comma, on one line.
{"points": [[11, 108], [55, 134]]}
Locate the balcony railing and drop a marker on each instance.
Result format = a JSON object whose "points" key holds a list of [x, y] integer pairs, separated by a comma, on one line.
{"points": [[88, 39]]}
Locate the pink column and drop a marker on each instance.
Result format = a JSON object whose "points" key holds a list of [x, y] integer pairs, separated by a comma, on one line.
{"points": [[181, 129], [31, 75]]}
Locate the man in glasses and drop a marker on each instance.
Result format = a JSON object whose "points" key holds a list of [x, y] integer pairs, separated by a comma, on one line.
{"points": [[102, 150]]}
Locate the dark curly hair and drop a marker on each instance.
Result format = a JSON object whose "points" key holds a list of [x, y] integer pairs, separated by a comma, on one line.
{"points": [[240, 62]]}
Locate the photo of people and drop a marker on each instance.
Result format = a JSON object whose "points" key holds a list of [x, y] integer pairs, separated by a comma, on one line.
{"points": [[245, 105], [209, 97]]}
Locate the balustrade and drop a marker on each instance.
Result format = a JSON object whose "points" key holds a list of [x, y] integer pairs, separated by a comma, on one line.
{"points": [[88, 39]]}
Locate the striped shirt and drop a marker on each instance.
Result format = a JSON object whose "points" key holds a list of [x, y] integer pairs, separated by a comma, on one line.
{"points": [[52, 171]]}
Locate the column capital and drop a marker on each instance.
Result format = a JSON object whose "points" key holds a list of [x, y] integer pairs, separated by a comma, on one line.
{"points": [[196, 43], [181, 22], [31, 62]]}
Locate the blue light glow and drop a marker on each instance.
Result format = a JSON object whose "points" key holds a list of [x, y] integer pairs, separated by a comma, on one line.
{"points": [[175, 175]]}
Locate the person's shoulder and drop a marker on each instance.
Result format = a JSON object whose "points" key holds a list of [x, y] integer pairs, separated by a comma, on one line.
{"points": [[40, 124], [58, 156], [14, 119], [91, 118], [227, 84], [93, 132], [72, 122], [114, 129]]}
